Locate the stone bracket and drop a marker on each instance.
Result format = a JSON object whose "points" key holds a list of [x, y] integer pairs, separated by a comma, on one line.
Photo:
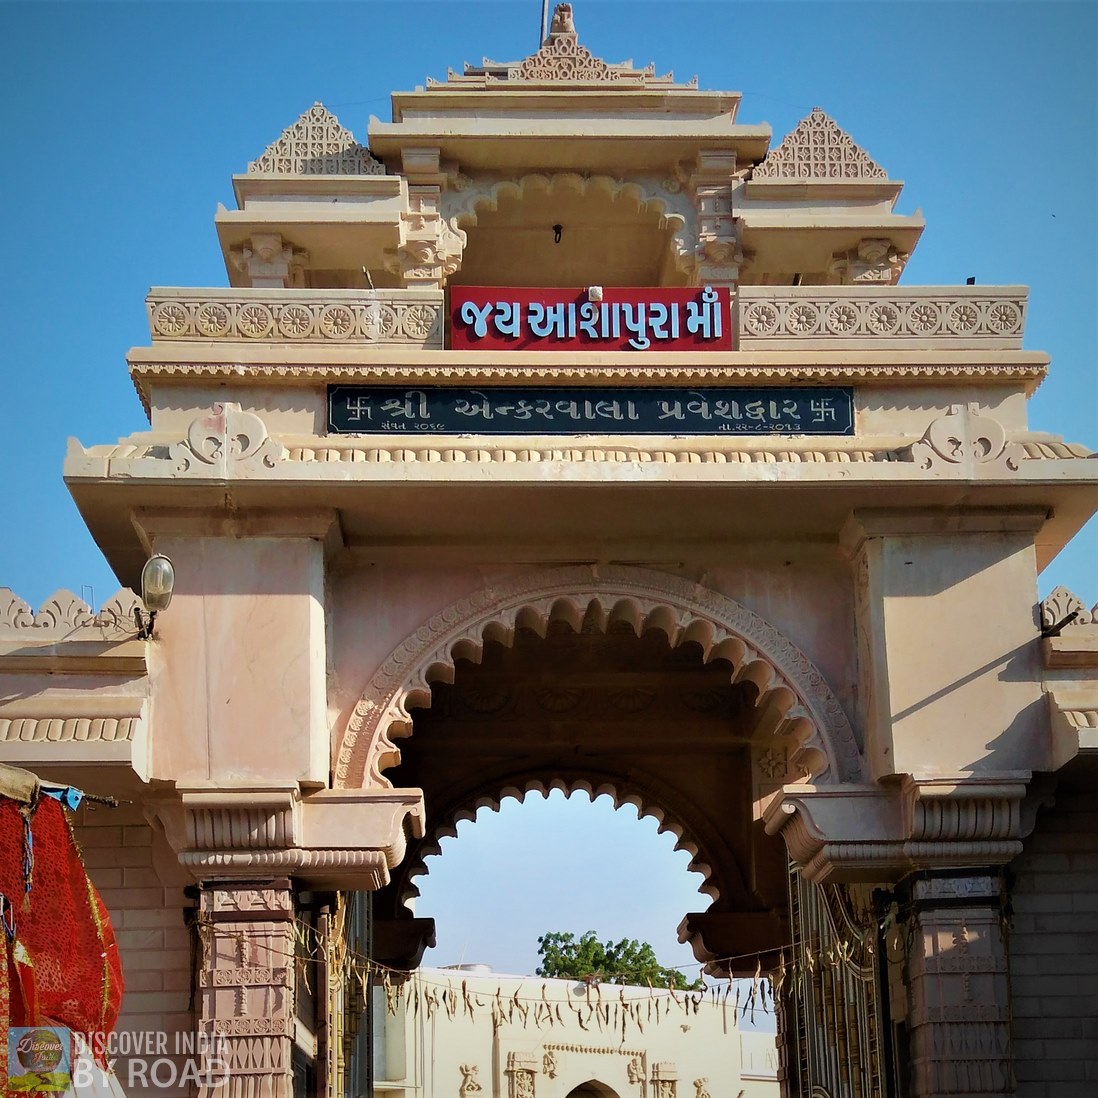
{"points": [[330, 839], [884, 832]]}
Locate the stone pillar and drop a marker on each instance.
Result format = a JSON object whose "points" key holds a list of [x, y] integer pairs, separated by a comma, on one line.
{"points": [[246, 1011], [718, 255], [431, 248], [958, 1005]]}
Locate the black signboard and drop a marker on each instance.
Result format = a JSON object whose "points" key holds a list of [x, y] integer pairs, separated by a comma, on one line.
{"points": [[506, 410]]}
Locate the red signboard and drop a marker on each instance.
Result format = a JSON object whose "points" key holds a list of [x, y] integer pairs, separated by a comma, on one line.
{"points": [[657, 318]]}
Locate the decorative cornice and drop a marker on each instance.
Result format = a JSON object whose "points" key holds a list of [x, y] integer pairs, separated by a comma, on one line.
{"points": [[67, 729], [316, 144], [817, 150], [368, 452], [846, 372]]}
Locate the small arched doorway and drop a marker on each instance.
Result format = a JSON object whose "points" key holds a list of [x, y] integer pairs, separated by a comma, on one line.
{"points": [[592, 1089]]}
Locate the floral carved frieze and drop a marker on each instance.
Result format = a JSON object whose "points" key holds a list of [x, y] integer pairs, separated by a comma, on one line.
{"points": [[316, 144], [881, 314], [966, 436], [399, 317]]}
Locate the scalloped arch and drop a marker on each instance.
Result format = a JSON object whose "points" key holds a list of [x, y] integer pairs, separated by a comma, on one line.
{"points": [[644, 803], [791, 689], [462, 209]]}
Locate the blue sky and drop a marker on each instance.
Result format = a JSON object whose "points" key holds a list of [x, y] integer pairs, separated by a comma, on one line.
{"points": [[125, 123]]}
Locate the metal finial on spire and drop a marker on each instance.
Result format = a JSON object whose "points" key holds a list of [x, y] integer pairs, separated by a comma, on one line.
{"points": [[544, 23]]}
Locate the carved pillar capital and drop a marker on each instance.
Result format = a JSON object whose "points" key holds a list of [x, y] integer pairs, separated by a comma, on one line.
{"points": [[883, 832], [268, 260], [246, 1006], [873, 262], [432, 246], [329, 840], [718, 253]]}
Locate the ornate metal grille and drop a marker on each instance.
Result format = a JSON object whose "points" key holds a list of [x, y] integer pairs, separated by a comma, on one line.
{"points": [[835, 1029]]}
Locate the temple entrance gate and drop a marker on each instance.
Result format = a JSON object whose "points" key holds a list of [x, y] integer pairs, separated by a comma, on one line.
{"points": [[657, 692]]}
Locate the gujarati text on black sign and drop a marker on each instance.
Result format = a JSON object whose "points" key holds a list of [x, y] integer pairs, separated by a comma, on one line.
{"points": [[499, 410]]}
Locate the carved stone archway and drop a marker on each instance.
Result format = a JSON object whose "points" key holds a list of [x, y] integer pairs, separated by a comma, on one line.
{"points": [[666, 200], [710, 774], [793, 695]]}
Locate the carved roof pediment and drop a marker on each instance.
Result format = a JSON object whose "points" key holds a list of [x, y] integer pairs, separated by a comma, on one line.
{"points": [[819, 150], [316, 144], [561, 60]]}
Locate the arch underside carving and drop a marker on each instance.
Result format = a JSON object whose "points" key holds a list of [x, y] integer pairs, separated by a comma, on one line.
{"points": [[666, 200], [793, 698]]}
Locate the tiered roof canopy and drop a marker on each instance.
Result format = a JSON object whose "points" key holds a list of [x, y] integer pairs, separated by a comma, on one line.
{"points": [[561, 60]]}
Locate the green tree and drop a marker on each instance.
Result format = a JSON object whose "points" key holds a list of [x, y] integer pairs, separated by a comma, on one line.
{"points": [[625, 962]]}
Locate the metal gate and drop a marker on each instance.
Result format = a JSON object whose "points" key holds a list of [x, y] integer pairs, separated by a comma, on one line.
{"points": [[834, 1031]]}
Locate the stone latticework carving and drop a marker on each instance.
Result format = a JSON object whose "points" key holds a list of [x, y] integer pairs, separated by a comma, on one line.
{"points": [[398, 317], [874, 262], [1061, 604], [316, 144], [246, 1000], [819, 317], [966, 436], [522, 1073], [725, 629], [561, 60], [818, 150], [226, 440]]}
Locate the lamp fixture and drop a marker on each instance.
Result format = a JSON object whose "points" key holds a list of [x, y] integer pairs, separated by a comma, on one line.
{"points": [[157, 586]]}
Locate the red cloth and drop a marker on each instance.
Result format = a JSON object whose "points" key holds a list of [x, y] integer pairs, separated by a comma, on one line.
{"points": [[61, 923]]}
